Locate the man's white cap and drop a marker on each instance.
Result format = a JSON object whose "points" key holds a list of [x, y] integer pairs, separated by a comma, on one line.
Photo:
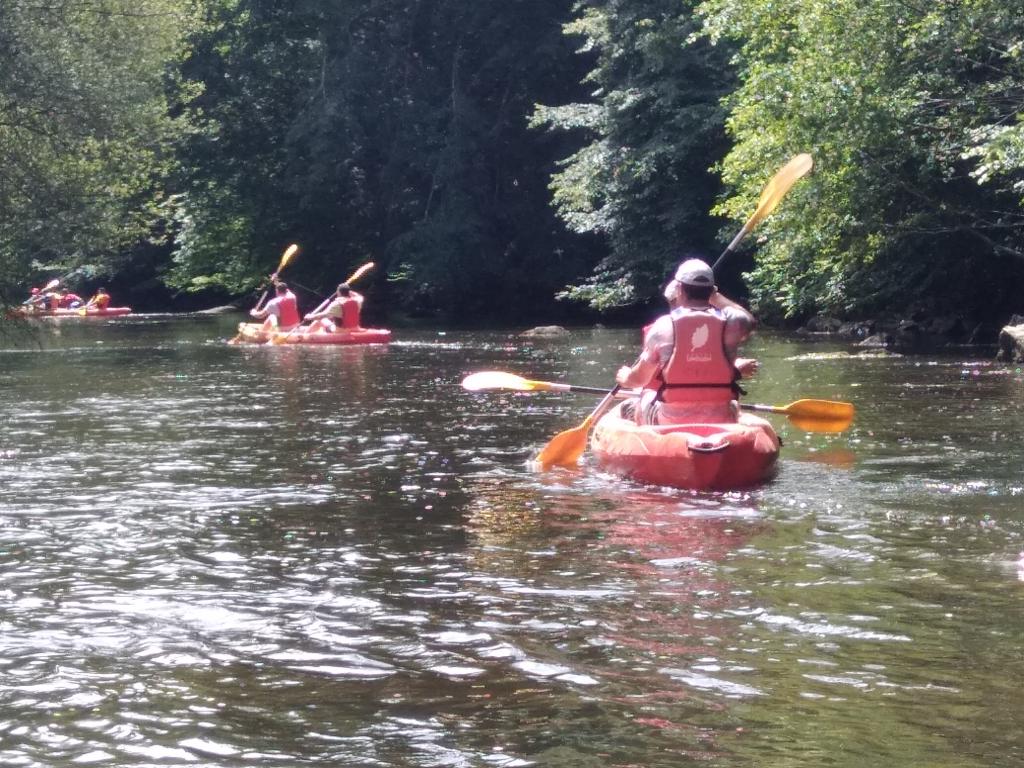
{"points": [[695, 272]]}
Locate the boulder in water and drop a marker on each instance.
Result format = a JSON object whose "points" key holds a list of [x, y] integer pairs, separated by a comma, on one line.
{"points": [[545, 332]]}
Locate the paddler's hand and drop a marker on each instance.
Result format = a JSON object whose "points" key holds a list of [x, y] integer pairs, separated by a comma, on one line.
{"points": [[747, 366], [622, 377]]}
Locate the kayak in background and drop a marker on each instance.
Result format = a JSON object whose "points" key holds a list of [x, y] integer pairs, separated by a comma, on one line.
{"points": [[705, 457], [255, 333], [83, 312]]}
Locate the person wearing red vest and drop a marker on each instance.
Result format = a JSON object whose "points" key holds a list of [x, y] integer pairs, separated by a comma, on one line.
{"points": [[69, 300], [687, 370], [281, 312], [343, 313]]}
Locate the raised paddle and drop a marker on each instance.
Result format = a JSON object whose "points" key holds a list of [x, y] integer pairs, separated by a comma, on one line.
{"points": [[289, 252], [279, 338], [288, 255], [809, 415], [773, 192], [33, 300], [565, 448]]}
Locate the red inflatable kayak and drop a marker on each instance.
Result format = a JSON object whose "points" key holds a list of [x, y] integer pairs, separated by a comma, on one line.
{"points": [[253, 333], [80, 312], [707, 457]]}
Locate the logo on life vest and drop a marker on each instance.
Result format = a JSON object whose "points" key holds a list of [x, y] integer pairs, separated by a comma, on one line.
{"points": [[697, 340]]}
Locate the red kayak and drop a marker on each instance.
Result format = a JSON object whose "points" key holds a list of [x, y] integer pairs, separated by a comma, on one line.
{"points": [[80, 312], [706, 457], [253, 333]]}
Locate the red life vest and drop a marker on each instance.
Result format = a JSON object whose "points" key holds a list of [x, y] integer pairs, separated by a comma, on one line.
{"points": [[350, 313], [288, 310], [699, 369]]}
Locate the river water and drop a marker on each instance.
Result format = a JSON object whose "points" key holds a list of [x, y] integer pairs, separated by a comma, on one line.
{"points": [[217, 555]]}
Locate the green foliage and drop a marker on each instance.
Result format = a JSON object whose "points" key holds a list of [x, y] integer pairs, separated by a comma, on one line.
{"points": [[643, 178], [386, 129], [897, 103], [84, 128]]}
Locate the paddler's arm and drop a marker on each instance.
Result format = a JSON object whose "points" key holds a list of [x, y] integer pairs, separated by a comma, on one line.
{"points": [[638, 374], [720, 301], [326, 312]]}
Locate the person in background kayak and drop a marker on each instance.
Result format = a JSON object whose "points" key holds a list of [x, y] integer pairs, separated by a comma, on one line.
{"points": [[100, 300], [343, 313], [688, 368], [281, 312], [69, 300], [42, 299]]}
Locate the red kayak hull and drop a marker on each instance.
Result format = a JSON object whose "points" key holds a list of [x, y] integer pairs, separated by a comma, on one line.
{"points": [[91, 312], [253, 333], [705, 457]]}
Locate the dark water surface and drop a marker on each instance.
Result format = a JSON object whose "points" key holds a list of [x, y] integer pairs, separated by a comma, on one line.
{"points": [[236, 556]]}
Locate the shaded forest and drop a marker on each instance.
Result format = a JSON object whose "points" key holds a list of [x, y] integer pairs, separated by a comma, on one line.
{"points": [[518, 161]]}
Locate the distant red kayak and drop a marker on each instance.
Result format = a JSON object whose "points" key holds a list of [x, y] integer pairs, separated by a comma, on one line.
{"points": [[253, 333], [80, 312], [705, 457]]}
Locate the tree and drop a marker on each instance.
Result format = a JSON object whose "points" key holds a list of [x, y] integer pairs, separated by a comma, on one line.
{"points": [[392, 130], [84, 129], [645, 179], [898, 103]]}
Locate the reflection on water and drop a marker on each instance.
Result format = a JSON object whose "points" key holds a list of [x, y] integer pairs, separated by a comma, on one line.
{"points": [[280, 556]]}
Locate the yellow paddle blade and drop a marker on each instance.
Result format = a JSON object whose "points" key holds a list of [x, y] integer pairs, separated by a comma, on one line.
{"points": [[503, 380], [825, 410], [494, 380], [360, 272], [289, 252], [779, 185]]}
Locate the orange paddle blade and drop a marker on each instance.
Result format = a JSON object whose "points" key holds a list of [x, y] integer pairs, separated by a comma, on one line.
{"points": [[812, 415], [827, 410], [819, 425], [565, 448]]}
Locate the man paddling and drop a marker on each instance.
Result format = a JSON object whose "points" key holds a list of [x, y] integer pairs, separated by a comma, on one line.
{"points": [[281, 312], [101, 300], [343, 313], [68, 300], [688, 365]]}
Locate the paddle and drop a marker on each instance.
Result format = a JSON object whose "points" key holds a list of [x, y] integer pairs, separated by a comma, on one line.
{"points": [[502, 380], [278, 338], [287, 256], [289, 252], [809, 415], [812, 415], [33, 300], [771, 195], [565, 448]]}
